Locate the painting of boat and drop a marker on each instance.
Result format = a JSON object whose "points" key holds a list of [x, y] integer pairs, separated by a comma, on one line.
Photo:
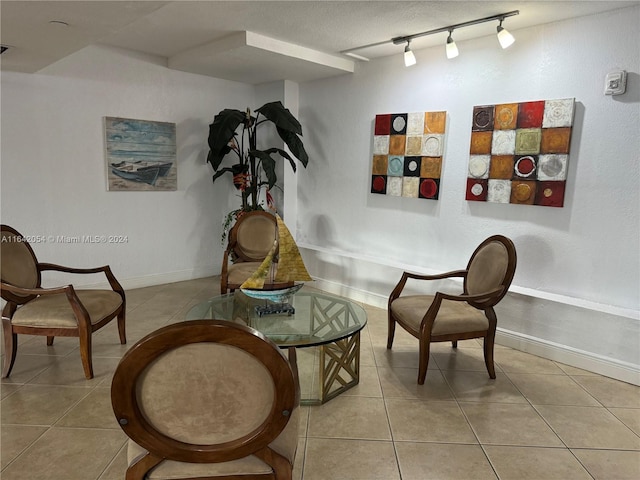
{"points": [[139, 171], [140, 155], [275, 279]]}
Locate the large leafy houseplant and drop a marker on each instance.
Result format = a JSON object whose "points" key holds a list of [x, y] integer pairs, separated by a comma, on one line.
{"points": [[235, 131]]}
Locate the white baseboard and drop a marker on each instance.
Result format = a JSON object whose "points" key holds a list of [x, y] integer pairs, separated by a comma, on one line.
{"points": [[160, 278], [171, 277], [355, 294], [573, 357]]}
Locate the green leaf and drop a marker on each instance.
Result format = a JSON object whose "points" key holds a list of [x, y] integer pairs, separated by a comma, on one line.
{"points": [[283, 154], [281, 117], [215, 160], [221, 132], [295, 145], [268, 165]]}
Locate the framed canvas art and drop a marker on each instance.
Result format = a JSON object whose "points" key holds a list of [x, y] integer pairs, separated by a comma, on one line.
{"points": [[519, 152], [407, 154], [140, 155]]}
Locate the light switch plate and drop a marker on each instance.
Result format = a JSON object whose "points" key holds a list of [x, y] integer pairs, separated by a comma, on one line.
{"points": [[615, 83]]}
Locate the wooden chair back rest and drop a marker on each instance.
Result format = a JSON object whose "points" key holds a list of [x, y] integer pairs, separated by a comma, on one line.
{"points": [[253, 235], [492, 265], [203, 391], [19, 266]]}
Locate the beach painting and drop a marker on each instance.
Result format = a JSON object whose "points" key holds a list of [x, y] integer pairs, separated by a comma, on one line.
{"points": [[140, 155]]}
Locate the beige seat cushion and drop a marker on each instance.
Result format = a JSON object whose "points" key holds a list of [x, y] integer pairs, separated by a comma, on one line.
{"points": [[285, 444], [55, 310], [239, 272], [453, 317]]}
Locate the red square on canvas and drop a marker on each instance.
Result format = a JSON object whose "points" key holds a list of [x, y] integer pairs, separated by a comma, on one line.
{"points": [[383, 124], [550, 194], [530, 114], [476, 190]]}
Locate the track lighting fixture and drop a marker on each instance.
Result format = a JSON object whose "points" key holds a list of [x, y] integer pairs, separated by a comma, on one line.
{"points": [[504, 37], [409, 57], [452, 48]]}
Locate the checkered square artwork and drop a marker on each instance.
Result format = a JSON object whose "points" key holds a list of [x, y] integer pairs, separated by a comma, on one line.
{"points": [[519, 152], [407, 154]]}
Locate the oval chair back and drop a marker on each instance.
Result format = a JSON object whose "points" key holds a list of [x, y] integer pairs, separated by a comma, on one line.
{"points": [[19, 265], [205, 397], [253, 235], [492, 265]]}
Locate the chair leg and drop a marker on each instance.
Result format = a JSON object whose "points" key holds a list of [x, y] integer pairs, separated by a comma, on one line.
{"points": [[121, 326], [85, 353], [489, 340], [488, 353], [425, 347], [454, 344], [10, 347], [391, 332], [49, 340], [141, 466]]}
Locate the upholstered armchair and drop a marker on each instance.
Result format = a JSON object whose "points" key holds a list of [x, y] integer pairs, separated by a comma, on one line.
{"points": [[52, 312], [207, 399], [449, 317], [250, 240]]}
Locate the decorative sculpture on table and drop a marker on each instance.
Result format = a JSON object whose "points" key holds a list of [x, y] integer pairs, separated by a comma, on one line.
{"points": [[407, 154], [519, 152], [275, 278]]}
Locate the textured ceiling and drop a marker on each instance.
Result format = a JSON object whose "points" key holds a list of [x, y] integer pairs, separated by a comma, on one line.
{"points": [[257, 41]]}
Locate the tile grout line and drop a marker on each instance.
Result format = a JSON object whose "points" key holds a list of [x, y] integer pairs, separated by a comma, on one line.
{"points": [[464, 414]]}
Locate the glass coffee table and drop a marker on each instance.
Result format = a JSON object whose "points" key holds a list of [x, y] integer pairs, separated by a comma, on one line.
{"points": [[326, 326]]}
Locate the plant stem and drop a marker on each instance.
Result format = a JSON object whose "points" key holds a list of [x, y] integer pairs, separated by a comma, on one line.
{"points": [[254, 170]]}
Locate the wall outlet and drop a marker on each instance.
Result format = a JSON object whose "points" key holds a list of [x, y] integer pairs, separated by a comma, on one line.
{"points": [[615, 83]]}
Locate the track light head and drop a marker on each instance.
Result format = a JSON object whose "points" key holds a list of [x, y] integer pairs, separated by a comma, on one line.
{"points": [[409, 57], [504, 37], [452, 48]]}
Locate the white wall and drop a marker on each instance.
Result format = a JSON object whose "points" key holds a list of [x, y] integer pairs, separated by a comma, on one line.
{"points": [[54, 174], [584, 256]]}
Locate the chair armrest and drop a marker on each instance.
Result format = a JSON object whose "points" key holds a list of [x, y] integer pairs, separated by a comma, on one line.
{"points": [[407, 275], [62, 268], [432, 312], [439, 276], [34, 291], [466, 298], [81, 313], [113, 282]]}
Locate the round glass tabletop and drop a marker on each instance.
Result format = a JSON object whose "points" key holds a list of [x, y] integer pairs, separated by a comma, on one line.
{"points": [[319, 318]]}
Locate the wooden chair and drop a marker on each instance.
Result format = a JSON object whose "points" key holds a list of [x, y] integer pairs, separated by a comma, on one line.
{"points": [[250, 240], [52, 312], [446, 317], [207, 399]]}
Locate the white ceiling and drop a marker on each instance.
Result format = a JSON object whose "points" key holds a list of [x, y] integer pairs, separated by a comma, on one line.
{"points": [[258, 41]]}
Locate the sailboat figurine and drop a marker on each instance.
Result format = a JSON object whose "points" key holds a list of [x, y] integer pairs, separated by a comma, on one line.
{"points": [[276, 276]]}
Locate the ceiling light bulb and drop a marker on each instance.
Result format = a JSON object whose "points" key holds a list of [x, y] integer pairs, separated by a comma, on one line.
{"points": [[409, 57], [452, 48], [504, 37]]}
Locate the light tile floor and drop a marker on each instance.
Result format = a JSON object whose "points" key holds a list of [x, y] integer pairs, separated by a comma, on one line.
{"points": [[538, 420]]}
